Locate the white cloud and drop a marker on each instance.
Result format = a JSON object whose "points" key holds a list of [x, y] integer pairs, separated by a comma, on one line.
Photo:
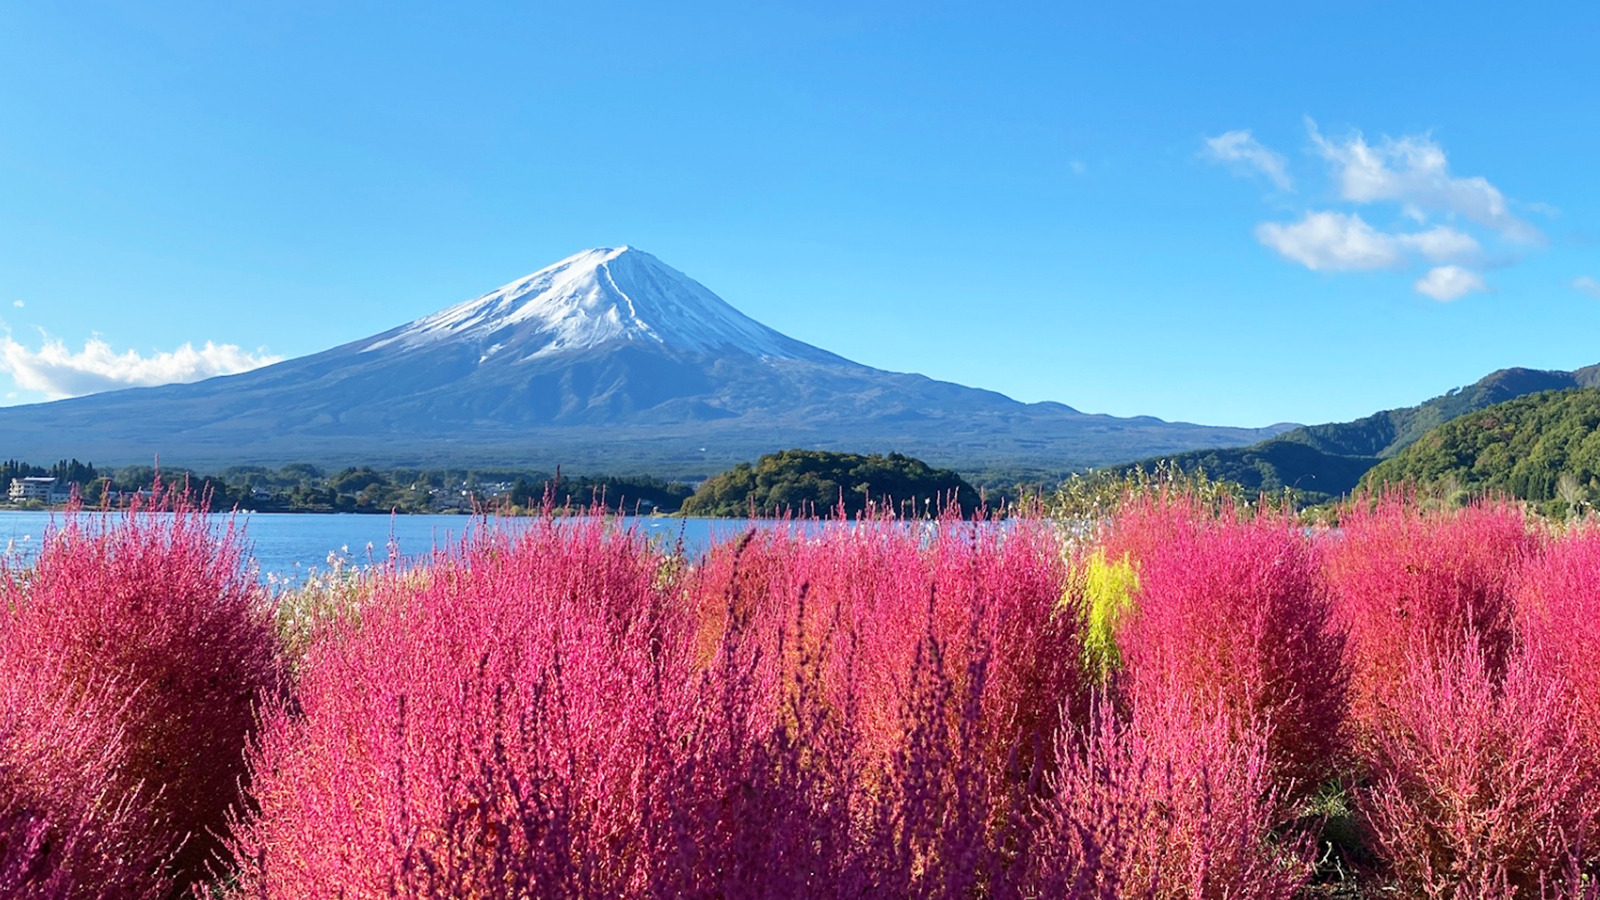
{"points": [[1331, 241], [1241, 147], [1588, 286], [1449, 283], [1449, 225], [57, 372], [17, 303], [1441, 244], [1344, 242], [1414, 172]]}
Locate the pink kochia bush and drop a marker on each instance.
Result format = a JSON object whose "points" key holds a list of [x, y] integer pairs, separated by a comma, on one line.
{"points": [[1231, 616], [133, 656], [1167, 805], [557, 714], [877, 708], [1480, 785], [1467, 646], [34, 862], [864, 601], [1558, 606], [528, 724], [872, 709], [30, 867], [1419, 589], [64, 831], [945, 653]]}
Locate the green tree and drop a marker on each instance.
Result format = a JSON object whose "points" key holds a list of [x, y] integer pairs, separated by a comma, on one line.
{"points": [[822, 482]]}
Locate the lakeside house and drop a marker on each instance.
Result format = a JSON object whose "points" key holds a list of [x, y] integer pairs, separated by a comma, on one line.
{"points": [[42, 488]]}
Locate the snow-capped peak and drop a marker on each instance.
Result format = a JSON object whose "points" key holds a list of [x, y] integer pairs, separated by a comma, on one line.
{"points": [[600, 296]]}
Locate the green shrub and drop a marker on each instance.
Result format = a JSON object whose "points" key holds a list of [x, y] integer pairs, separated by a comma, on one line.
{"points": [[1106, 589]]}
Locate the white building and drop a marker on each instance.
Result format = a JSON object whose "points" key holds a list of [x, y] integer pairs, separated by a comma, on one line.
{"points": [[40, 488]]}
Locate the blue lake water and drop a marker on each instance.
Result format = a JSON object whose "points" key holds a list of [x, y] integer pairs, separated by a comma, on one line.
{"points": [[288, 545]]}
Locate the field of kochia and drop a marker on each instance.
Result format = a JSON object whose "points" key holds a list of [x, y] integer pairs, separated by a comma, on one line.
{"points": [[1193, 699]]}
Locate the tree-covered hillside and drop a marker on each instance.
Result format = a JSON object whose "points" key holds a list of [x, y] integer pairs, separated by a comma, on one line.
{"points": [[1321, 462], [1273, 466], [817, 481], [1386, 433], [1543, 448]]}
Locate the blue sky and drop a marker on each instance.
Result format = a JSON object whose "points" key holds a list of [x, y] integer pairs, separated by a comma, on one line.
{"points": [[1229, 213]]}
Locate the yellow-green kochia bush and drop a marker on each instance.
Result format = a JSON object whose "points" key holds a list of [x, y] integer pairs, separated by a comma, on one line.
{"points": [[1105, 598]]}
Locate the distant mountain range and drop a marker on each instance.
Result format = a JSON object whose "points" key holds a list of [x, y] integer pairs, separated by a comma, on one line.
{"points": [[608, 360], [1329, 460]]}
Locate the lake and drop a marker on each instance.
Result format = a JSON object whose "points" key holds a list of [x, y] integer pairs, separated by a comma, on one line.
{"points": [[288, 545]]}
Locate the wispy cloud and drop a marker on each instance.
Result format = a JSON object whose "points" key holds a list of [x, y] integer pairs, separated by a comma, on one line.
{"points": [[1428, 217], [1331, 242], [1344, 242], [1241, 148], [1414, 172], [57, 372], [1441, 244], [1447, 283], [17, 303], [1587, 285]]}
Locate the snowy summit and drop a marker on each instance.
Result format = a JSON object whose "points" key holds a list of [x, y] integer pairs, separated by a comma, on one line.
{"points": [[597, 298], [609, 360]]}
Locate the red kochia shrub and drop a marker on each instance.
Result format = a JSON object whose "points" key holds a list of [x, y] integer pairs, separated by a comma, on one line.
{"points": [[940, 649], [1479, 787], [29, 854], [942, 646], [559, 714], [63, 832], [1558, 604], [153, 616], [1416, 588], [28, 863], [535, 722], [811, 593], [1167, 805], [1004, 588], [1230, 614]]}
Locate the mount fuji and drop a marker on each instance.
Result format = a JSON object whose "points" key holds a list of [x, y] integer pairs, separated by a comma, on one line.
{"points": [[608, 360]]}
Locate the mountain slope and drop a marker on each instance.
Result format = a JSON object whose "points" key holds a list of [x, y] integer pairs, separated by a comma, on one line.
{"points": [[1385, 433], [609, 359], [1328, 460], [1543, 447]]}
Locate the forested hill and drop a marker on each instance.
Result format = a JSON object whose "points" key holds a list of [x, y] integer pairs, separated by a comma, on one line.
{"points": [[1386, 433], [1324, 461], [817, 481], [1543, 448]]}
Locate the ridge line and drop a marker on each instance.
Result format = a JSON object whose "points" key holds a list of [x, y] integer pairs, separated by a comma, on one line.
{"points": [[633, 311]]}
